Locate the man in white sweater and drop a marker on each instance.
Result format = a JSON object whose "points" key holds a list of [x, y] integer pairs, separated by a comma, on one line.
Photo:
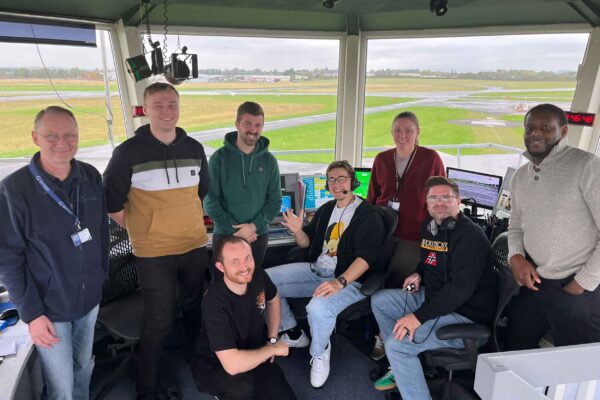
{"points": [[554, 233]]}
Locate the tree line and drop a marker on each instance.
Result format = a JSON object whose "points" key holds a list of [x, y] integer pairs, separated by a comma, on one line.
{"points": [[310, 74]]}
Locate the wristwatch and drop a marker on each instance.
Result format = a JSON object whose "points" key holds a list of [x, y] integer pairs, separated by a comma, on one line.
{"points": [[342, 280], [272, 340]]}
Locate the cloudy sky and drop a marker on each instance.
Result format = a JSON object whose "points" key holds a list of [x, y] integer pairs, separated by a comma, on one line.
{"points": [[557, 52]]}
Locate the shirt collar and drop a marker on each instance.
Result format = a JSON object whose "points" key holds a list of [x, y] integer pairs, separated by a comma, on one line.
{"points": [[554, 153]]}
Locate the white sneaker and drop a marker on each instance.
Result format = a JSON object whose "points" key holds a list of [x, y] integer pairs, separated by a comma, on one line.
{"points": [[319, 371], [302, 340]]}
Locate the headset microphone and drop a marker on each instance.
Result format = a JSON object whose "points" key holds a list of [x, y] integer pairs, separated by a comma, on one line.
{"points": [[345, 191]]}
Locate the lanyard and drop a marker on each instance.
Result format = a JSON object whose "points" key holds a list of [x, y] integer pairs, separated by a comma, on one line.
{"points": [[400, 179], [38, 177]]}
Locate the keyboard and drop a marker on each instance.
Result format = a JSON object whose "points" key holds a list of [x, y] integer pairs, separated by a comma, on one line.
{"points": [[279, 232]]}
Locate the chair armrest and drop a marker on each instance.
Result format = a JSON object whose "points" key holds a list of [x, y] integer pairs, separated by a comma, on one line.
{"points": [[463, 331], [373, 283], [297, 254]]}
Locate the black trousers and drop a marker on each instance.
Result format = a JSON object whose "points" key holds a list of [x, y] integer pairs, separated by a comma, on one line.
{"points": [[265, 382], [572, 319], [159, 278], [259, 249]]}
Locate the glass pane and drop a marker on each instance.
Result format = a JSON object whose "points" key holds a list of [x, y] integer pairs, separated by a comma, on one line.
{"points": [[470, 93], [294, 80], [68, 76]]}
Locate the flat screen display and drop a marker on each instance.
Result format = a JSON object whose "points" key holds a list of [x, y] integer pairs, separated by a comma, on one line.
{"points": [[476, 187], [315, 193], [364, 177]]}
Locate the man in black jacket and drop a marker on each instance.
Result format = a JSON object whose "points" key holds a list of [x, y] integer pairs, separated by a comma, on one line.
{"points": [[54, 252], [343, 239], [458, 285]]}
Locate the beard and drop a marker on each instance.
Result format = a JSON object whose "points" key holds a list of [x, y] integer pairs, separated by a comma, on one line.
{"points": [[541, 154]]}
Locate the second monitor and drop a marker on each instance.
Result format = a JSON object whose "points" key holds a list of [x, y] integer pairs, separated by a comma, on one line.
{"points": [[476, 187]]}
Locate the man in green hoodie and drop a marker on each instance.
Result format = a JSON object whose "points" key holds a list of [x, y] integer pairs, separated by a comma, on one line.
{"points": [[245, 193]]}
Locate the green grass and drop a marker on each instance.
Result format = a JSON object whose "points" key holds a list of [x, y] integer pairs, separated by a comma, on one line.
{"points": [[218, 111], [513, 117], [435, 129], [550, 96], [197, 113]]}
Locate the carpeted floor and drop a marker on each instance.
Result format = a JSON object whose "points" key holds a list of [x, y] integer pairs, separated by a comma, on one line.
{"points": [[349, 377]]}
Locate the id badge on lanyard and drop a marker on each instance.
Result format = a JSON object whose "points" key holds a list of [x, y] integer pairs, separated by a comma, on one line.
{"points": [[394, 204], [81, 235]]}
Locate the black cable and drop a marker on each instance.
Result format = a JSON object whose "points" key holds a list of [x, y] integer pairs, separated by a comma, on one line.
{"points": [[37, 46], [166, 29], [445, 282], [147, 20]]}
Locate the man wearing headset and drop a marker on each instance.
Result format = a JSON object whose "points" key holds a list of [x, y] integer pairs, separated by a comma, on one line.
{"points": [[454, 284], [343, 239]]}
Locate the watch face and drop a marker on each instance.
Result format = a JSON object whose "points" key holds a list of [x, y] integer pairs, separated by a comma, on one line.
{"points": [[272, 340]]}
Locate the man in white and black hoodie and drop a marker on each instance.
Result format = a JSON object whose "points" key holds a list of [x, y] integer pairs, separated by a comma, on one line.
{"points": [[459, 287], [155, 183]]}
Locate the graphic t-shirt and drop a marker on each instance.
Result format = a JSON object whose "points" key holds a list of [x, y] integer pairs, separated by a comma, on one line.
{"points": [[338, 223], [231, 321]]}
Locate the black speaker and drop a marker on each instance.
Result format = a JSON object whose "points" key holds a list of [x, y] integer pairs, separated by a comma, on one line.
{"points": [[447, 225], [354, 183]]}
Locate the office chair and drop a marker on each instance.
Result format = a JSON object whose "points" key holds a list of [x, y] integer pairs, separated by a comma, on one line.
{"points": [[372, 284], [122, 307], [466, 359]]}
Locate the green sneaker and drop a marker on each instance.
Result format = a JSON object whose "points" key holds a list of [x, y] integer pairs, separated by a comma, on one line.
{"points": [[386, 382]]}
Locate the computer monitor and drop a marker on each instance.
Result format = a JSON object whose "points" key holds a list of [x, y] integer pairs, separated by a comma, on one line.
{"points": [[288, 201], [476, 187], [364, 177], [315, 194]]}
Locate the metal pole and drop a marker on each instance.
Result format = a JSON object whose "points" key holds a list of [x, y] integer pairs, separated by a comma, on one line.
{"points": [[109, 115]]}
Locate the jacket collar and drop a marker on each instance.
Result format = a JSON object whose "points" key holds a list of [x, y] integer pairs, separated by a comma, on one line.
{"points": [[75, 175]]}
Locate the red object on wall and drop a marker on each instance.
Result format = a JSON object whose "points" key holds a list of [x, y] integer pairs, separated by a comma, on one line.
{"points": [[584, 119]]}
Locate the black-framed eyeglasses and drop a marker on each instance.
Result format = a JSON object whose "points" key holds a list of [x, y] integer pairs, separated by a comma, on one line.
{"points": [[340, 179]]}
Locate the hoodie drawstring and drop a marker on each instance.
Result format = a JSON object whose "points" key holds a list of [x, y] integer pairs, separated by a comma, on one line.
{"points": [[165, 164], [165, 147], [175, 162], [243, 169]]}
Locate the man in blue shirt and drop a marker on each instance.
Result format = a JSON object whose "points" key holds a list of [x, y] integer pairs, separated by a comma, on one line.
{"points": [[54, 252]]}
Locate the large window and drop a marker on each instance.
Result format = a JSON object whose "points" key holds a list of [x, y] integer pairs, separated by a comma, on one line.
{"points": [[469, 92], [294, 80], [33, 77]]}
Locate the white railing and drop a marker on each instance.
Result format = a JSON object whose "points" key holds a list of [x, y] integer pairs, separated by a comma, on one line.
{"points": [[457, 147], [557, 373]]}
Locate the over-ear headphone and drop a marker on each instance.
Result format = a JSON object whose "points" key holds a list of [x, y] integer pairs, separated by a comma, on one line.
{"points": [[447, 224], [354, 182]]}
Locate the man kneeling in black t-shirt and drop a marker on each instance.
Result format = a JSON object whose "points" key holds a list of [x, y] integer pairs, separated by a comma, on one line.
{"points": [[232, 360]]}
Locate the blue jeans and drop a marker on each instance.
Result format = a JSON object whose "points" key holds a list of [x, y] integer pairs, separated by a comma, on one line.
{"points": [[68, 365], [298, 280], [388, 306]]}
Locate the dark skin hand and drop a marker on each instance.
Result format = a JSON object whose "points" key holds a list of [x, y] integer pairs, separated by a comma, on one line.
{"points": [[526, 275]]}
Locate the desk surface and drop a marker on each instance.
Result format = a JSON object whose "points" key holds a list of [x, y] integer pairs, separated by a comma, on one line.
{"points": [[12, 369], [272, 242]]}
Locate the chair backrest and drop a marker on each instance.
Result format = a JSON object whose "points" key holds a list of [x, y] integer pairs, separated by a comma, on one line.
{"points": [[390, 220], [122, 275], [507, 286]]}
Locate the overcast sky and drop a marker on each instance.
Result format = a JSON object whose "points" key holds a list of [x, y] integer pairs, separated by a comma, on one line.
{"points": [[558, 52]]}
